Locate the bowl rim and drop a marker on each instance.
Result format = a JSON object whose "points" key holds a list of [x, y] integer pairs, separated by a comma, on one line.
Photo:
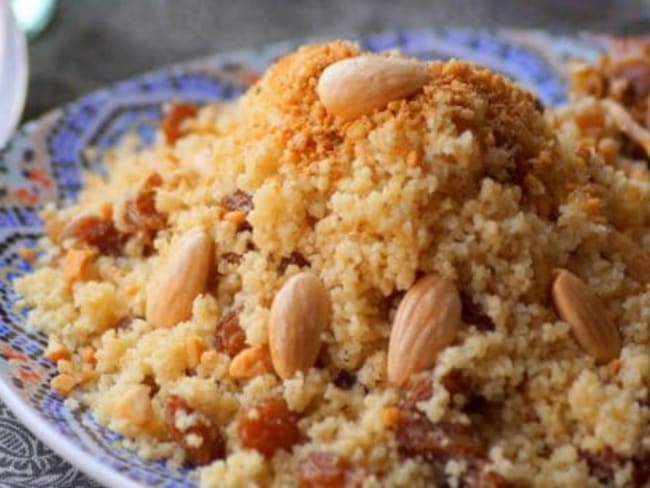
{"points": [[68, 450], [13, 72]]}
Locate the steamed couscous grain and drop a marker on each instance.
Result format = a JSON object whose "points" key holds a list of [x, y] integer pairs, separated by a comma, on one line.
{"points": [[236, 296]]}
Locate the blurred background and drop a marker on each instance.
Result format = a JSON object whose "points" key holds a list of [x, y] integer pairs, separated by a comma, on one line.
{"points": [[88, 43]]}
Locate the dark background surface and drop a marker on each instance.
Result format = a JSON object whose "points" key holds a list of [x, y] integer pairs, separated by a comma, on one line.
{"points": [[94, 42]]}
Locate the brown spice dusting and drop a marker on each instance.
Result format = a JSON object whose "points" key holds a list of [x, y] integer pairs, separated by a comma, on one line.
{"points": [[237, 201], [268, 426], [171, 123], [230, 337], [293, 258], [326, 470], [99, 233], [212, 445]]}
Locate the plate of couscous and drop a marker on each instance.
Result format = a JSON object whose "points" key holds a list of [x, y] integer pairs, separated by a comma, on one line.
{"points": [[410, 259]]}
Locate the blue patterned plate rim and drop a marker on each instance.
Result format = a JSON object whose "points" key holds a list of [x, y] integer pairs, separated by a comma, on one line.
{"points": [[535, 58]]}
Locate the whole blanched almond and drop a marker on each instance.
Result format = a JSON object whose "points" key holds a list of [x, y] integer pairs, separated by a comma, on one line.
{"points": [[357, 86], [586, 315], [636, 260], [180, 280], [427, 320], [299, 314]]}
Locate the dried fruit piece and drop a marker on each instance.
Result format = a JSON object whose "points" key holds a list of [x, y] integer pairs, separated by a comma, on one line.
{"points": [[356, 86], [150, 382], [417, 436], [63, 384], [201, 440], [426, 322], [293, 258], [140, 213], [636, 260], [177, 114], [55, 350], [27, 254], [180, 280], [326, 470], [97, 232], [586, 315], [344, 380], [230, 337], [456, 383], [236, 217], [392, 417], [473, 314], [251, 362], [194, 347], [299, 314], [268, 426], [87, 354], [78, 265], [237, 201]]}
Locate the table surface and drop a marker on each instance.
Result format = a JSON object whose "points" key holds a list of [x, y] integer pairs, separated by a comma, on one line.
{"points": [[94, 42]]}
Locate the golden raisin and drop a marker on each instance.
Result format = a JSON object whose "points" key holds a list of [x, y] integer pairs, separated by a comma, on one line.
{"points": [[140, 213], [171, 124], [268, 426], [237, 201], [326, 470], [99, 233], [417, 436], [201, 441], [230, 337]]}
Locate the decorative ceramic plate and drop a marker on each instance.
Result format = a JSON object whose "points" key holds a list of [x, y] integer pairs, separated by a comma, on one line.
{"points": [[45, 161]]}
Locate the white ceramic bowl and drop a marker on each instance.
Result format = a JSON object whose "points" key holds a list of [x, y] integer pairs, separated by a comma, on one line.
{"points": [[13, 72]]}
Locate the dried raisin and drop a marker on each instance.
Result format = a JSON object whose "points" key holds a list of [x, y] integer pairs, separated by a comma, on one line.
{"points": [[473, 314], [325, 470], [417, 436], [140, 214], [171, 124], [202, 441], [230, 337], [268, 426], [456, 383], [97, 232], [345, 380], [238, 200], [293, 258]]}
